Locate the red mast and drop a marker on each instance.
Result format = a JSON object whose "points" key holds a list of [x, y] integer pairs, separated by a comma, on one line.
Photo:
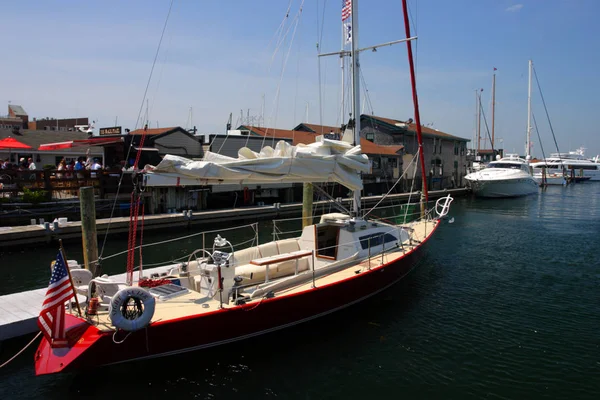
{"points": [[415, 100]]}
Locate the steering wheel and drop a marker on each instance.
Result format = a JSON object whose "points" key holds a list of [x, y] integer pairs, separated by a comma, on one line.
{"points": [[196, 258]]}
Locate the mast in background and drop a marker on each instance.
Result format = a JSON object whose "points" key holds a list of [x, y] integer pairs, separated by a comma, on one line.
{"points": [[479, 120], [493, 104], [528, 142], [424, 194]]}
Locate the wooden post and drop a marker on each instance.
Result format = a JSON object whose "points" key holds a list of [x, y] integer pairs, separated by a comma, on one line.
{"points": [[307, 204], [88, 228]]}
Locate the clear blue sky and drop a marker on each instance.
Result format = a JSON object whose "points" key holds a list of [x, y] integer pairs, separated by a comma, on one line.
{"points": [[74, 58]]}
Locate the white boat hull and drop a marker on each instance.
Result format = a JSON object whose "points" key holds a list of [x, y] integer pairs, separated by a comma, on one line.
{"points": [[504, 188]]}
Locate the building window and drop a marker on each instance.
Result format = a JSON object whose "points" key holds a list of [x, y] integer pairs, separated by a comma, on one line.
{"points": [[455, 164], [370, 136], [434, 146], [455, 148]]}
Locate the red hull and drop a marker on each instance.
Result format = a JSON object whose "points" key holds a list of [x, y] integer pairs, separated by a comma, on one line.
{"points": [[227, 325]]}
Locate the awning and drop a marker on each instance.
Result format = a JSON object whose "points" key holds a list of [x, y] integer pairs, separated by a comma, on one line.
{"points": [[79, 143]]}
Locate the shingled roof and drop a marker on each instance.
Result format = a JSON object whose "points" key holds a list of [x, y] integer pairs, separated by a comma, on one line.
{"points": [[367, 147], [411, 128]]}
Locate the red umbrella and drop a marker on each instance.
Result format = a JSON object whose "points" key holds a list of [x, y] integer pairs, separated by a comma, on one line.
{"points": [[12, 143]]}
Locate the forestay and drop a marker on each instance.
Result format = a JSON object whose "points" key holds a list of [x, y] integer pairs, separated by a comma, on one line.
{"points": [[323, 161]]}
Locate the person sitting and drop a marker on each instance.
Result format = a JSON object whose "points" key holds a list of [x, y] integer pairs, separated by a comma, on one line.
{"points": [[62, 166], [95, 167], [32, 167]]}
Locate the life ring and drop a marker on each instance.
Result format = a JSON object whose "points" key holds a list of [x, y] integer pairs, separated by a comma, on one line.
{"points": [[131, 309]]}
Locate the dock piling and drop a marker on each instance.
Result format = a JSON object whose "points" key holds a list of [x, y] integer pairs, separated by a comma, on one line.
{"points": [[88, 228]]}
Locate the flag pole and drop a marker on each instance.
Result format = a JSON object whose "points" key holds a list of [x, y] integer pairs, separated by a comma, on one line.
{"points": [[62, 252]]}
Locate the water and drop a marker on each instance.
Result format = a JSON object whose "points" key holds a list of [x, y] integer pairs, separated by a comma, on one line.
{"points": [[504, 305]]}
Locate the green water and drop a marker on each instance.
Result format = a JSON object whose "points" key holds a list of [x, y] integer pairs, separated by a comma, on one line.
{"points": [[505, 305]]}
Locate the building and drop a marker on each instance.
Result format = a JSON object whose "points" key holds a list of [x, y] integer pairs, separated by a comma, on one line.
{"points": [[445, 155], [171, 140], [12, 123], [65, 124], [16, 111]]}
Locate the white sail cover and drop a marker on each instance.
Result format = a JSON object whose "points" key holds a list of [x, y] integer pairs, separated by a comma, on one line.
{"points": [[323, 161]]}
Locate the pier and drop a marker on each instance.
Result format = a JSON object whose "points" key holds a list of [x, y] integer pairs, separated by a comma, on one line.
{"points": [[35, 234]]}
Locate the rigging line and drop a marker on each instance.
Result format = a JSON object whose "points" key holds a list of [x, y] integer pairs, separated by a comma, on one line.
{"points": [[389, 191], [366, 89], [486, 126], [538, 135], [297, 75], [278, 33], [546, 110], [284, 62], [136, 125]]}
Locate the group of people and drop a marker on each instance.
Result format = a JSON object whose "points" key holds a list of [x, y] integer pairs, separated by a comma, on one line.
{"points": [[22, 165]]}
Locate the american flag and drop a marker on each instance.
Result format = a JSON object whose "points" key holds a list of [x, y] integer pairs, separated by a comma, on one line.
{"points": [[346, 9], [52, 317]]}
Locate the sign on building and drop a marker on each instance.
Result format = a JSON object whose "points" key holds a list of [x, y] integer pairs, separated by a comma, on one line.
{"points": [[113, 130]]}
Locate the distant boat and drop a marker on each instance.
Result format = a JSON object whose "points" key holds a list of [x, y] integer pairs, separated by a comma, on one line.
{"points": [[509, 176], [574, 163]]}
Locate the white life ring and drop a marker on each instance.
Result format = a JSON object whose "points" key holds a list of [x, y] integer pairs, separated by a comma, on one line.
{"points": [[131, 323]]}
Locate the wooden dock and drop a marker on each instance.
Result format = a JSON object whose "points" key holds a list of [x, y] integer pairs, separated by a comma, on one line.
{"points": [[35, 234], [19, 311]]}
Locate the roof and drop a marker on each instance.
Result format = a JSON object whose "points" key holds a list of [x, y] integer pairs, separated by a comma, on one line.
{"points": [[296, 136], [320, 129], [367, 147], [37, 138], [17, 110], [413, 127], [155, 131]]}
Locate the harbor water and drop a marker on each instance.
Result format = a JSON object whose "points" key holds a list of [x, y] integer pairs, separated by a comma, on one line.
{"points": [[505, 305]]}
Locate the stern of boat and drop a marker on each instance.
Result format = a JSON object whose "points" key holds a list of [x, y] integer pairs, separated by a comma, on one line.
{"points": [[81, 336]]}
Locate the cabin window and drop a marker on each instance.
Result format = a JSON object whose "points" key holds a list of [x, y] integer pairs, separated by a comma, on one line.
{"points": [[327, 238], [370, 136], [376, 239]]}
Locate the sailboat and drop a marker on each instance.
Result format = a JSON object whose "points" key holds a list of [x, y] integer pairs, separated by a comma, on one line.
{"points": [[220, 294], [509, 176]]}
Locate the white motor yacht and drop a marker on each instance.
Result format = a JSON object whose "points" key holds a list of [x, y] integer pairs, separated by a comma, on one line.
{"points": [[574, 163], [509, 176]]}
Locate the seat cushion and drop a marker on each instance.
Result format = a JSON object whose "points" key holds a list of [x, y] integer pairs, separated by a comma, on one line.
{"points": [[268, 249], [288, 246]]}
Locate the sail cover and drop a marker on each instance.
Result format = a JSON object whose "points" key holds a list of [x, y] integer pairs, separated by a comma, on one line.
{"points": [[323, 161]]}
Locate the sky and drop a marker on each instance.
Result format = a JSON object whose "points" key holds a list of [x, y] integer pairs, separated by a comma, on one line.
{"points": [[71, 58]]}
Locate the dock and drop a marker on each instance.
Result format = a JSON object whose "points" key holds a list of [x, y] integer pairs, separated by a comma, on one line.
{"points": [[35, 234]]}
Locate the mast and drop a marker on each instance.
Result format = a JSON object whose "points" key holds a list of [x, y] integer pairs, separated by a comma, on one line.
{"points": [[355, 93], [343, 91], [424, 194], [478, 122], [493, 105], [528, 142]]}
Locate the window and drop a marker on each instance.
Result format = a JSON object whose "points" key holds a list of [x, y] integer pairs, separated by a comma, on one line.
{"points": [[455, 148], [434, 145], [370, 136], [376, 239], [393, 161], [455, 164]]}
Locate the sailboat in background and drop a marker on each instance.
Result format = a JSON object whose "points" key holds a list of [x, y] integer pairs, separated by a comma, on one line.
{"points": [[221, 294], [509, 176]]}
